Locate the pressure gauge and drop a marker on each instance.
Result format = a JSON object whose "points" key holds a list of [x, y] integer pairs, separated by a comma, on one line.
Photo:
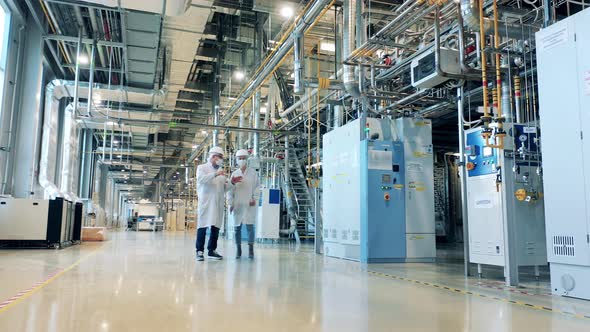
{"points": [[522, 138]]}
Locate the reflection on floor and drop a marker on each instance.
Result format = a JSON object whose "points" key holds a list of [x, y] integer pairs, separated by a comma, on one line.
{"points": [[151, 282]]}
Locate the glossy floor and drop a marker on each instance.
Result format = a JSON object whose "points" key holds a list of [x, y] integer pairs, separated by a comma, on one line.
{"points": [[151, 282]]}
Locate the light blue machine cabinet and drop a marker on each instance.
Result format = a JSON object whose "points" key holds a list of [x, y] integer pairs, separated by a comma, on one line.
{"points": [[378, 199], [383, 226]]}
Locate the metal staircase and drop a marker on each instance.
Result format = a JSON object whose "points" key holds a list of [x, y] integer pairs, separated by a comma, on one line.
{"points": [[301, 202]]}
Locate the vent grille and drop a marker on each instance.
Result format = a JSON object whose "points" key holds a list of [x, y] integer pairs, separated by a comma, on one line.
{"points": [[564, 246]]}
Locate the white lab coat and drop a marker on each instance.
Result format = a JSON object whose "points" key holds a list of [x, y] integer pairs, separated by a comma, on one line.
{"points": [[211, 190], [241, 193]]}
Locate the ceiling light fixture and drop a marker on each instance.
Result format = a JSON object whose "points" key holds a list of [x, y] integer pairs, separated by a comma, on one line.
{"points": [[239, 75], [83, 59], [286, 11]]}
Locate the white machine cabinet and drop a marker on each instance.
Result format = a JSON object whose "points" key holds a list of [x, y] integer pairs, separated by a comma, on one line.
{"points": [[563, 55], [268, 215], [493, 178]]}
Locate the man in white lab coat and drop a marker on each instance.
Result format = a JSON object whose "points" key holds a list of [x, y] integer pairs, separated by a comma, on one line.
{"points": [[211, 188], [242, 199]]}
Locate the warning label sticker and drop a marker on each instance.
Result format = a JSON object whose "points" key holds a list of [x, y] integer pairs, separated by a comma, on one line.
{"points": [[555, 39]]}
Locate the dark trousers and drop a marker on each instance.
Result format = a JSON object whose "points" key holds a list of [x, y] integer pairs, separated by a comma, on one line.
{"points": [[202, 233], [238, 234]]}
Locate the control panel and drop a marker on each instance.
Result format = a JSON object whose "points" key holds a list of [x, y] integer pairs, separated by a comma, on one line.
{"points": [[525, 137], [481, 160]]}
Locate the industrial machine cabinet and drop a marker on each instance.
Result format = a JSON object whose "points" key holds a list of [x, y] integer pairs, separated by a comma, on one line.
{"points": [[39, 223], [563, 55]]}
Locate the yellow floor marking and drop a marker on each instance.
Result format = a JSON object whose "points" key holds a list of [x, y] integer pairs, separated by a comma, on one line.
{"points": [[21, 296]]}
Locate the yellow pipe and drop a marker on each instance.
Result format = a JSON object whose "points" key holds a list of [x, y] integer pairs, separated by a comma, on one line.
{"points": [[60, 45], [498, 74], [484, 80], [498, 91]]}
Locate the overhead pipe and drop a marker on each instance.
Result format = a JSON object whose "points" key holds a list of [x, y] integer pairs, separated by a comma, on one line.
{"points": [[517, 100], [499, 119], [241, 122], [461, 36], [379, 34], [437, 55], [348, 45], [298, 55], [312, 13], [256, 123], [472, 15], [506, 102], [189, 125], [402, 101], [322, 100], [486, 118], [305, 97]]}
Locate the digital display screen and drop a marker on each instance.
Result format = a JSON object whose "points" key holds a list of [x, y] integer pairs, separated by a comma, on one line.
{"points": [[385, 178], [487, 151]]}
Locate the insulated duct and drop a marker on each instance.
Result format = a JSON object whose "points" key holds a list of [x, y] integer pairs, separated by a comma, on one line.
{"points": [[470, 11], [51, 149], [348, 45], [298, 54], [70, 159], [55, 92], [49, 142]]}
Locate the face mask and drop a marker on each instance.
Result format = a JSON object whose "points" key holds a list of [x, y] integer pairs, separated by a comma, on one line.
{"points": [[241, 162], [219, 162]]}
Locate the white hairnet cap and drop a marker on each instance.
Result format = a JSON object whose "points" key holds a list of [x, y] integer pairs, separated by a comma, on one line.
{"points": [[216, 150], [242, 153]]}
